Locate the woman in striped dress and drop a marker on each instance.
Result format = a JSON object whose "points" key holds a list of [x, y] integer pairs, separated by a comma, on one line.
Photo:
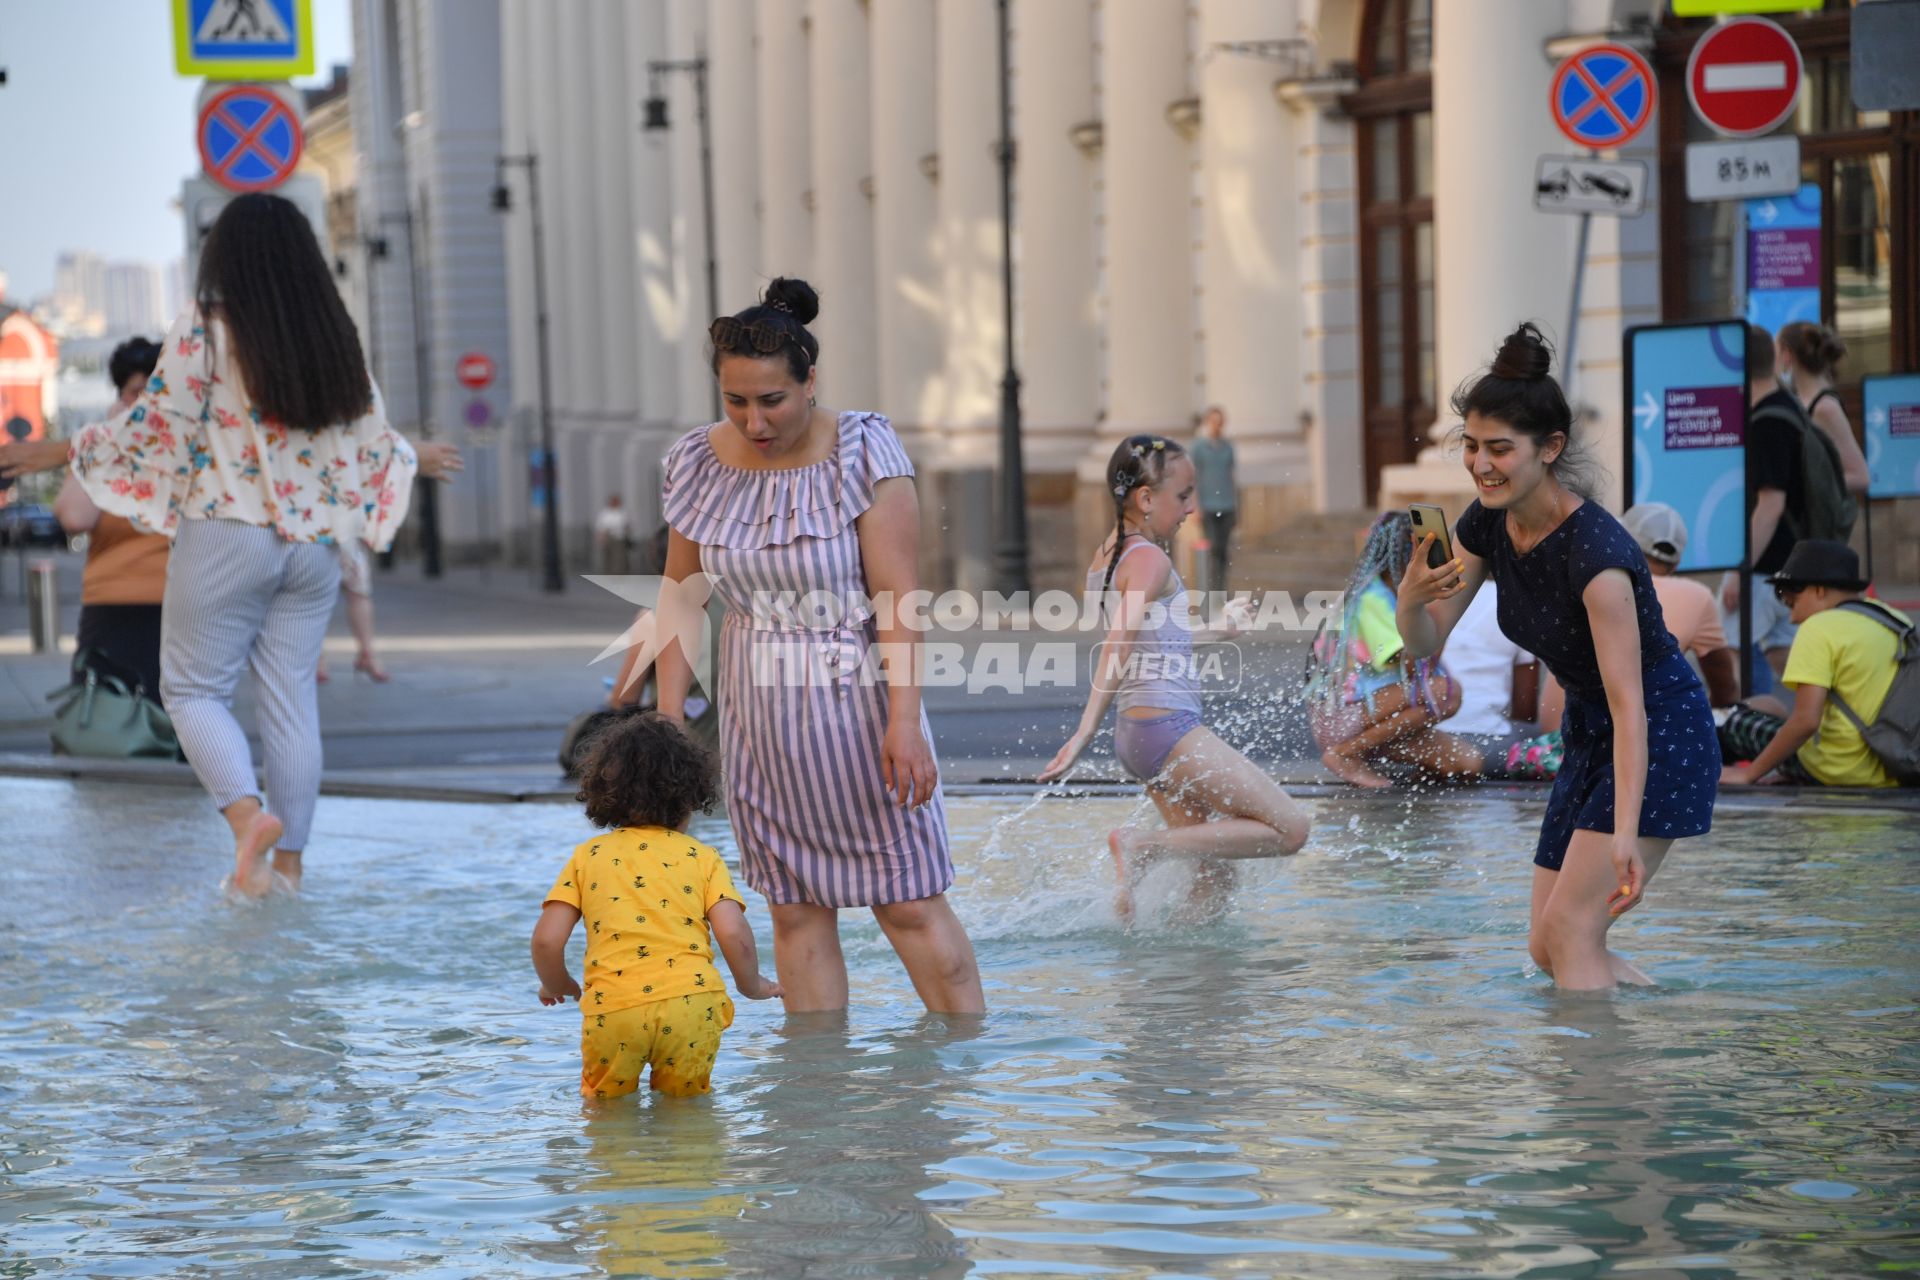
{"points": [[830, 775]]}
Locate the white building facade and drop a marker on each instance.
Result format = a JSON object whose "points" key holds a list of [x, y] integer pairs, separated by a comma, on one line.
{"points": [[427, 264], [1241, 202]]}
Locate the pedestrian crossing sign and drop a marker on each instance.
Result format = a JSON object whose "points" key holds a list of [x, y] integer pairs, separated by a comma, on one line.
{"points": [[243, 39]]}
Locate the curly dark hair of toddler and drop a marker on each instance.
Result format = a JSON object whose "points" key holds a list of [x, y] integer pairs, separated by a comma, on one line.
{"points": [[642, 770]]}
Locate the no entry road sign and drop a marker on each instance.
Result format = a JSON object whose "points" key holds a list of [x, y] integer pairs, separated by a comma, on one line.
{"points": [[1743, 77], [475, 370], [250, 139], [1602, 96]]}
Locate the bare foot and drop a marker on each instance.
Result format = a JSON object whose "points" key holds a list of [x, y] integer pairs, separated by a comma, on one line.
{"points": [[1627, 972], [1211, 892], [286, 871], [369, 666], [1353, 771], [1124, 843], [251, 875]]}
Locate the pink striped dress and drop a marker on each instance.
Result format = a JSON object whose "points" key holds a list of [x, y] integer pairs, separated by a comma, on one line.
{"points": [[802, 710]]}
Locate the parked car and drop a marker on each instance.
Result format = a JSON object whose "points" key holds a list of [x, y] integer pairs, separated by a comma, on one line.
{"points": [[30, 524]]}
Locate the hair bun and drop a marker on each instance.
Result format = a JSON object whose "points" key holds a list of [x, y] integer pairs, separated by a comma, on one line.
{"points": [[1524, 355], [795, 297]]}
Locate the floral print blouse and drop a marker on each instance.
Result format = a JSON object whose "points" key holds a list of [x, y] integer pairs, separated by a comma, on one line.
{"points": [[192, 447]]}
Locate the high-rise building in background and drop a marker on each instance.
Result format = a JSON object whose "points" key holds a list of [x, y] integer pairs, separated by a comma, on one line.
{"points": [[176, 289], [134, 301], [80, 293], [96, 298]]}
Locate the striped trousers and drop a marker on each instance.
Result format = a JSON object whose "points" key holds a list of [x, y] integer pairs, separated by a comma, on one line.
{"points": [[239, 597]]}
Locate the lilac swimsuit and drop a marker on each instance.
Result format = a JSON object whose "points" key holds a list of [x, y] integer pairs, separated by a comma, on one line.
{"points": [[1164, 682]]}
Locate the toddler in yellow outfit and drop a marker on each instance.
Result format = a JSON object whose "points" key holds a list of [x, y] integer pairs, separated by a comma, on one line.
{"points": [[649, 895]]}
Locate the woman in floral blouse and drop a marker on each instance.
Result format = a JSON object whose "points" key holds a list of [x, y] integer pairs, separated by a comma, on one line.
{"points": [[259, 447]]}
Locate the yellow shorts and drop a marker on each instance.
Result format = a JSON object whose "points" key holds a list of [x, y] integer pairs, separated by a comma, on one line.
{"points": [[679, 1036]]}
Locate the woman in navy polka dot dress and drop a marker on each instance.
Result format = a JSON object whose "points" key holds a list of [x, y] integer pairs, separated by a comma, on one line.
{"points": [[1642, 763]]}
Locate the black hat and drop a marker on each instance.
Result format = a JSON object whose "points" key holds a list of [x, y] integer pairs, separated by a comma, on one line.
{"points": [[1816, 562]]}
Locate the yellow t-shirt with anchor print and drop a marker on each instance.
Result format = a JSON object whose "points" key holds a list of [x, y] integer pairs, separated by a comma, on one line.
{"points": [[643, 894]]}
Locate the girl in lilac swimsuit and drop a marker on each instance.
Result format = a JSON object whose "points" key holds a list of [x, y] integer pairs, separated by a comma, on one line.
{"points": [[831, 781], [1217, 804]]}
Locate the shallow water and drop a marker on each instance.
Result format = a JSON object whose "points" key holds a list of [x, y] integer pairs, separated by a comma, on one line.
{"points": [[1354, 1074]]}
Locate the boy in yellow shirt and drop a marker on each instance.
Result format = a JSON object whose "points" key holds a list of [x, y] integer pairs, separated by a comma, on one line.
{"points": [[649, 895], [1838, 652]]}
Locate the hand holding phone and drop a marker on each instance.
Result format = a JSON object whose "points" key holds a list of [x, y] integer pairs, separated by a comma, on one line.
{"points": [[1429, 519]]}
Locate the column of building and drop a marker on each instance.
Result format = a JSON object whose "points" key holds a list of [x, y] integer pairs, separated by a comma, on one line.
{"points": [[1146, 252], [786, 215], [457, 235], [1056, 287], [686, 42], [909, 316], [1499, 261], [378, 107], [1250, 301], [1059, 341], [1329, 276], [840, 149], [502, 469], [734, 94], [968, 236]]}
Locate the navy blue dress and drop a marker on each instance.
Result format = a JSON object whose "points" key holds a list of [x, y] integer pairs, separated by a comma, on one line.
{"points": [[1540, 610]]}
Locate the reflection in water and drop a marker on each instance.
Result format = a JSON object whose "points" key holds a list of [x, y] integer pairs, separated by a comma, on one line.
{"points": [[655, 1169], [1353, 1073]]}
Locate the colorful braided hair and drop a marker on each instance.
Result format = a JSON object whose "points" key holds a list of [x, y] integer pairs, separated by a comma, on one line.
{"points": [[1137, 462], [1388, 548]]}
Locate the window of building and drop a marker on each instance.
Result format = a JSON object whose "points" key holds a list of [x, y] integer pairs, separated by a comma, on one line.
{"points": [[1393, 129]]}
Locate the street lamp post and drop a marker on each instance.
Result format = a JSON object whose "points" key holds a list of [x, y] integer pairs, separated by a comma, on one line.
{"points": [[654, 120], [1010, 551], [378, 249], [423, 403], [549, 470]]}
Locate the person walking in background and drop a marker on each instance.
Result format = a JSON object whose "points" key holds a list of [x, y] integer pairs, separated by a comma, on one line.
{"points": [[612, 537], [1805, 356], [125, 577], [439, 460], [259, 444], [356, 588], [832, 785], [1794, 491], [1641, 764], [1218, 494]]}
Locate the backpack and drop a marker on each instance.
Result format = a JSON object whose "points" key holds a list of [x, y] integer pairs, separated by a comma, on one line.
{"points": [[1894, 735], [1830, 509]]}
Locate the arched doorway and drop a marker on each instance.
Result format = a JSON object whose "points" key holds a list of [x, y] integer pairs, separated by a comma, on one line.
{"points": [[1393, 127]]}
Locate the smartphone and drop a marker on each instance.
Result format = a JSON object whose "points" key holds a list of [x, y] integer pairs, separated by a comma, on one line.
{"points": [[1429, 519]]}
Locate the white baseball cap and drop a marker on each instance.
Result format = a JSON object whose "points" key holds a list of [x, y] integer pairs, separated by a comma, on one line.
{"points": [[1659, 530]]}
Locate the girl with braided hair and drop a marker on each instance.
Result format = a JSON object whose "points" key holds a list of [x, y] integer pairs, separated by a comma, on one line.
{"points": [[1367, 700], [1217, 804]]}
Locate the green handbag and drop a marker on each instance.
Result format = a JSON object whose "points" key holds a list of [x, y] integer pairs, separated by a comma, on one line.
{"points": [[100, 717]]}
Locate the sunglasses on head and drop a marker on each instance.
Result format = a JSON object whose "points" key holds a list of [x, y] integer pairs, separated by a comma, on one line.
{"points": [[729, 334]]}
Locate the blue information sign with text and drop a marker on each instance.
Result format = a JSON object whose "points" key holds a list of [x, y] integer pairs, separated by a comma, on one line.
{"points": [[1893, 434], [1687, 393]]}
